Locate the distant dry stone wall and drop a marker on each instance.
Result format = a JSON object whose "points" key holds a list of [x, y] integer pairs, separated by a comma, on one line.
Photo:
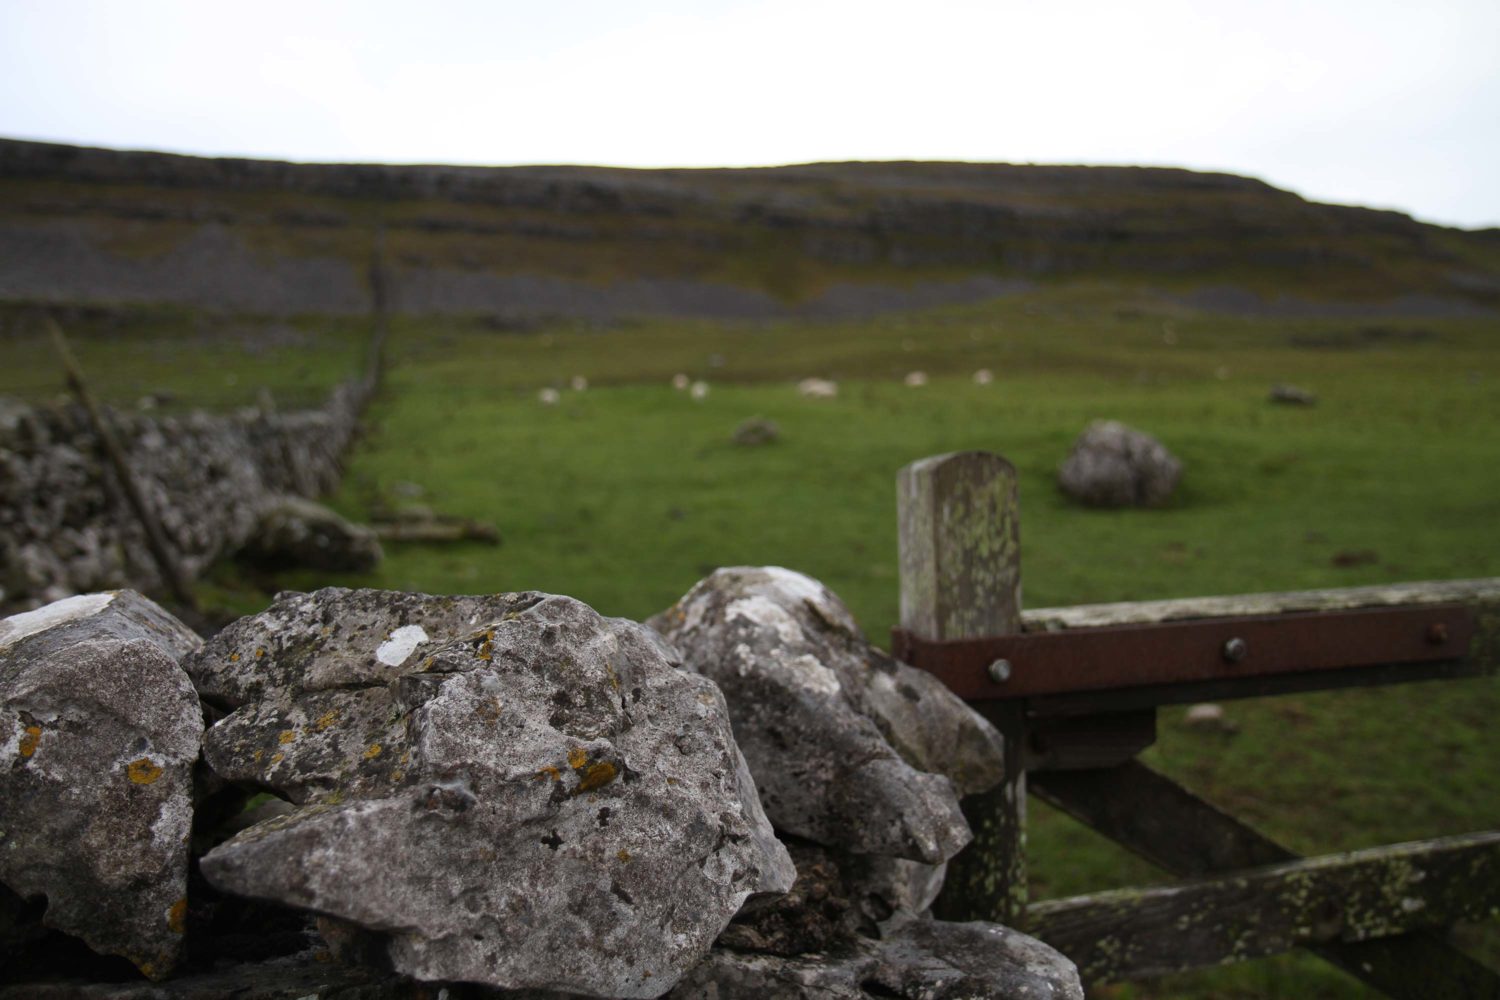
{"points": [[66, 528]]}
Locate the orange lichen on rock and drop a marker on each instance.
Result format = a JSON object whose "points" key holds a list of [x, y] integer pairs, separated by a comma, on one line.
{"points": [[578, 758], [597, 776], [143, 771], [373, 751], [327, 719], [550, 772], [287, 736], [177, 917], [29, 741]]}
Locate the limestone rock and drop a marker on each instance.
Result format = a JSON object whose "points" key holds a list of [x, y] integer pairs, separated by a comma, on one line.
{"points": [[1292, 395], [915, 960], [836, 733], [753, 432], [100, 729], [837, 896], [513, 789], [294, 531], [1113, 465]]}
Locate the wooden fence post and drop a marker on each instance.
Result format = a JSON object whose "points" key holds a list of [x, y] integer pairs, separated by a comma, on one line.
{"points": [[961, 579]]}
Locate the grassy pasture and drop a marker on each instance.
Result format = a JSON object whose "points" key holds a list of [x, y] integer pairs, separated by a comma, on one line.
{"points": [[626, 493]]}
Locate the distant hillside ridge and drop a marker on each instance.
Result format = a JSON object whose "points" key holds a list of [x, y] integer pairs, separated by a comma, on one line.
{"points": [[99, 225]]}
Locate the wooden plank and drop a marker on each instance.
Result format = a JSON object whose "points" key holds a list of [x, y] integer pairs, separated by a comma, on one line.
{"points": [[1484, 590], [1357, 896], [1088, 742], [1172, 828], [959, 540]]}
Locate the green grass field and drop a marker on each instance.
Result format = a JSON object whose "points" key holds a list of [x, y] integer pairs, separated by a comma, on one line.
{"points": [[627, 493]]}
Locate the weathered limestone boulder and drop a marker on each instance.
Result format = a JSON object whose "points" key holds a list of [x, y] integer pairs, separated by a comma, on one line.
{"points": [[1113, 465], [513, 790], [294, 531], [915, 960], [100, 729], [842, 740]]}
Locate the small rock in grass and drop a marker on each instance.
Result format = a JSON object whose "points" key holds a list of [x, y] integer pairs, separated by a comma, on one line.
{"points": [[548, 396], [100, 729], [699, 391], [1208, 717], [1112, 465], [756, 431], [915, 379], [984, 377], [680, 382], [1291, 395]]}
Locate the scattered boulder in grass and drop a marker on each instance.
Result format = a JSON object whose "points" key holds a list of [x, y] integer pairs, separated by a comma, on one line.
{"points": [[818, 388], [1112, 465], [1209, 717], [837, 734], [916, 959], [509, 790], [296, 532], [100, 728], [1291, 395], [756, 431]]}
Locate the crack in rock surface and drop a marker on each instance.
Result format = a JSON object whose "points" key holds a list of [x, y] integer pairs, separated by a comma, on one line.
{"points": [[530, 797]]}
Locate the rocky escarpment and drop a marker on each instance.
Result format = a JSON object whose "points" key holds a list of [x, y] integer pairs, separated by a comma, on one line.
{"points": [[820, 239]]}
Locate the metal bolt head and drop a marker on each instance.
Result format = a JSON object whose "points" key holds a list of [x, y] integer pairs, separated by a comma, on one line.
{"points": [[999, 671], [1235, 649]]}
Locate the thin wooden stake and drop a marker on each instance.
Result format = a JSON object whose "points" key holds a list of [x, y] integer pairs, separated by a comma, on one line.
{"points": [[155, 540]]}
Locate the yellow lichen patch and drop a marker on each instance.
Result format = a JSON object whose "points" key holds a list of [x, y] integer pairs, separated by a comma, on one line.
{"points": [[623, 854], [373, 751], [333, 799], [672, 781], [578, 758], [287, 736], [485, 651], [489, 710], [143, 771], [258, 755], [277, 758], [234, 657], [29, 741], [405, 757], [261, 652], [147, 969], [177, 917], [327, 719], [397, 775], [550, 772], [597, 776]]}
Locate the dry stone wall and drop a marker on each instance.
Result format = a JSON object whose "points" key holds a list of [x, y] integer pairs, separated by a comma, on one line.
{"points": [[66, 528], [495, 797]]}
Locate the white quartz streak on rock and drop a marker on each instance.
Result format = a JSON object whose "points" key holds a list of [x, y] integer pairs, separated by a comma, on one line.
{"points": [[398, 647]]}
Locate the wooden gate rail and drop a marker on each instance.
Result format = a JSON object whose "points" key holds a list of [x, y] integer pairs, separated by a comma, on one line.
{"points": [[1074, 692]]}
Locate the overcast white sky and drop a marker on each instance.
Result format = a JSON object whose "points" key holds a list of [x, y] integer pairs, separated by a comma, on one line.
{"points": [[1390, 104]]}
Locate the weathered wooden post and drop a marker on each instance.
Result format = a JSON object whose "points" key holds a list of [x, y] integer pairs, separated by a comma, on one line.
{"points": [[961, 579]]}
